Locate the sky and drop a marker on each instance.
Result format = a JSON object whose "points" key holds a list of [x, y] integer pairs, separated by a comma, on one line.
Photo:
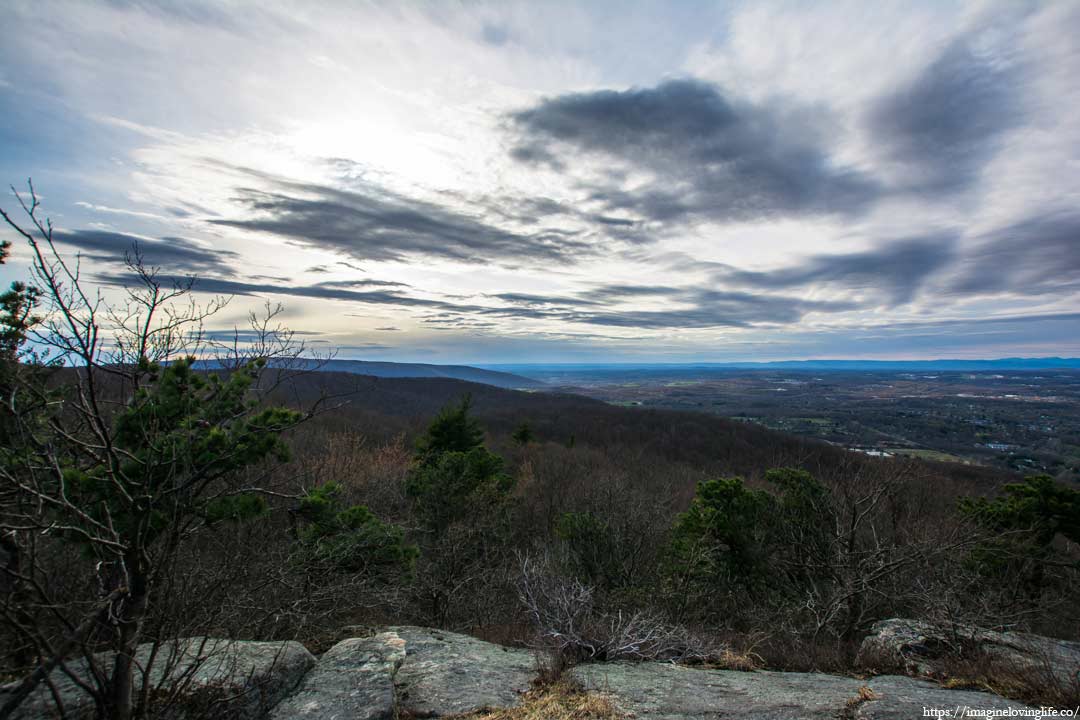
{"points": [[573, 182]]}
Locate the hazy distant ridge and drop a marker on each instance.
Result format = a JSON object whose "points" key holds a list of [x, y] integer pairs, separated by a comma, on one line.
{"points": [[424, 370], [1045, 363]]}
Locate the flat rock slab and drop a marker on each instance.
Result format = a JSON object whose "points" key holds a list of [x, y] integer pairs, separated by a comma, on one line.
{"points": [[445, 673], [354, 680], [922, 649], [234, 679], [661, 691], [904, 697]]}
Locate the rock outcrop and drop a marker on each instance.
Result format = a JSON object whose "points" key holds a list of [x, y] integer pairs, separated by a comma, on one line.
{"points": [[421, 672], [921, 648], [662, 691], [354, 680], [235, 679], [445, 673]]}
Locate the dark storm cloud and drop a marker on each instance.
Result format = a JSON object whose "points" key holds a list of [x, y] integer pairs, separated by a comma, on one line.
{"points": [[711, 156], [898, 269], [328, 291], [712, 308], [680, 307], [173, 254], [370, 223], [1035, 256], [943, 126]]}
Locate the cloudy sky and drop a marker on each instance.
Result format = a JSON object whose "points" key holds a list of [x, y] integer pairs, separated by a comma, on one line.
{"points": [[572, 182]]}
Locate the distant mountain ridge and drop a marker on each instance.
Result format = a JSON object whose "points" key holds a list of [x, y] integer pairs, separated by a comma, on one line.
{"points": [[1043, 363], [424, 370]]}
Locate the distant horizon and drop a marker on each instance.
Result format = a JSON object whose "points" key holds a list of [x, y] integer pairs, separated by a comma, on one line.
{"points": [[792, 360], [1068, 362]]}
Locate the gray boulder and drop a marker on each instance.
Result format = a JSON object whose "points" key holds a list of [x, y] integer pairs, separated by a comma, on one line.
{"points": [[354, 680], [193, 676], [660, 691], [445, 673], [922, 648]]}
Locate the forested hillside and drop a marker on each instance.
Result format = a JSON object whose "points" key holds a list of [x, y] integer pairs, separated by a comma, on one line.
{"points": [[383, 408], [522, 516]]}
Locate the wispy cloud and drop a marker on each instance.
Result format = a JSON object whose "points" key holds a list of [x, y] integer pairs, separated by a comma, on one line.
{"points": [[173, 254], [374, 223], [896, 271], [945, 124], [492, 179], [1032, 257]]}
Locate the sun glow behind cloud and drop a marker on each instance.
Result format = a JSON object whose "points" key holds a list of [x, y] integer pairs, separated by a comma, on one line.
{"points": [[575, 182]]}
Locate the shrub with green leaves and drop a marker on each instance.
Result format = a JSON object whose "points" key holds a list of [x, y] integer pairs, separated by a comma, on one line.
{"points": [[1025, 522], [753, 546], [348, 537], [523, 435], [724, 538], [459, 492], [181, 434], [454, 476]]}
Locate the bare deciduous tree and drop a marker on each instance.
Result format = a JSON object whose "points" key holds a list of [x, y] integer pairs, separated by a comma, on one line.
{"points": [[128, 453]]}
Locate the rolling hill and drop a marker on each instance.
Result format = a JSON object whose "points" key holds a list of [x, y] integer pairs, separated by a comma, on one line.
{"points": [[416, 370]]}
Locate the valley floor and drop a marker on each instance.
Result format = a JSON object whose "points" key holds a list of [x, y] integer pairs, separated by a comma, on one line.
{"points": [[1021, 421]]}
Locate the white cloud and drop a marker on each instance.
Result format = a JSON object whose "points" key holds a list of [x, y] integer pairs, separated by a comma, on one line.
{"points": [[210, 101]]}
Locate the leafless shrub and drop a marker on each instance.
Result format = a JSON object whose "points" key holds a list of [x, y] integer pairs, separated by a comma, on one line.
{"points": [[571, 626], [958, 658], [1040, 681]]}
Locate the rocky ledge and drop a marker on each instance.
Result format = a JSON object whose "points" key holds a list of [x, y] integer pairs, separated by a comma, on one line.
{"points": [[919, 648], [421, 672]]}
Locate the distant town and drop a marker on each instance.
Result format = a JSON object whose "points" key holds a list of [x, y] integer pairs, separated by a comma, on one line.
{"points": [[1021, 420]]}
